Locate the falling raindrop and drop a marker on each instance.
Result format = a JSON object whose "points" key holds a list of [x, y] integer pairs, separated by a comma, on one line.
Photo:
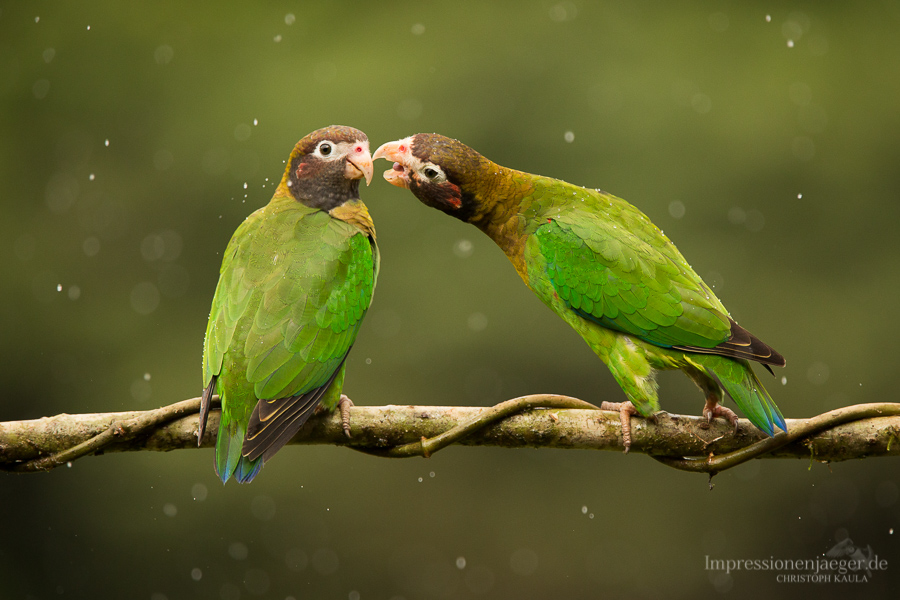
{"points": [[768, 18], [463, 248], [461, 563], [238, 551], [790, 43], [569, 137], [198, 492]]}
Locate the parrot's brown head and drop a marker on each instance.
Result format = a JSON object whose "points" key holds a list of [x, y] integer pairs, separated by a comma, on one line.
{"points": [[442, 172], [325, 167]]}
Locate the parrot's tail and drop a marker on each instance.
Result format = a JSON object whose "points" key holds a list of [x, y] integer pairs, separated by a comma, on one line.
{"points": [[747, 391], [228, 455]]}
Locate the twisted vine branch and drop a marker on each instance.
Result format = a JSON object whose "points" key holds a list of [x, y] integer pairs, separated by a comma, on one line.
{"points": [[542, 420]]}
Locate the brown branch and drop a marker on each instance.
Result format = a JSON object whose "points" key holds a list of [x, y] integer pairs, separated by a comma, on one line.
{"points": [[402, 431]]}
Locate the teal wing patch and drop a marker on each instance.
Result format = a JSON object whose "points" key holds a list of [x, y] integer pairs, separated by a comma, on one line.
{"points": [[635, 283]]}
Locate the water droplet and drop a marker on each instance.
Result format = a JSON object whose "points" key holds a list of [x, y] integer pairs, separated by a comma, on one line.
{"points": [[163, 54], [768, 18], [420, 480], [368, 361], [584, 510], [277, 38], [196, 574], [289, 19], [58, 287], [91, 176], [91, 246], [245, 185], [40, 89], [198, 492], [461, 562], [418, 29], [170, 510], [255, 122], [569, 136], [74, 292], [463, 248], [37, 19], [799, 196], [106, 143], [238, 551], [784, 381], [477, 322], [69, 465], [431, 474], [88, 27], [790, 43]]}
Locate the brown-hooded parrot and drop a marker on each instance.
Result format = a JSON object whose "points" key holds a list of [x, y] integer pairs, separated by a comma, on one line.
{"points": [[600, 264], [296, 281]]}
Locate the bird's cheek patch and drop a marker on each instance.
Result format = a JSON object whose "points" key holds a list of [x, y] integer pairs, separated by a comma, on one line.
{"points": [[450, 194]]}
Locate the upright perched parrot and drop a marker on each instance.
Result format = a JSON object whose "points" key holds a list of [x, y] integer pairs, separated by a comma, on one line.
{"points": [[600, 264], [296, 280]]}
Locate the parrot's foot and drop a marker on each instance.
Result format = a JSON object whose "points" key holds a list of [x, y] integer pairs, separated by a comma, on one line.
{"points": [[625, 410], [345, 404], [714, 409]]}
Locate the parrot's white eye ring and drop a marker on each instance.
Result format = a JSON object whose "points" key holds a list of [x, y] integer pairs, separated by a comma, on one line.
{"points": [[433, 172], [325, 149]]}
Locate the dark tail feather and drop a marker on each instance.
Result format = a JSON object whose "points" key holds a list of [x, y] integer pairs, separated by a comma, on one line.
{"points": [[742, 344], [274, 422], [205, 402]]}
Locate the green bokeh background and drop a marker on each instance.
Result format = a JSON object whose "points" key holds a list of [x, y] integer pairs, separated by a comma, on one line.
{"points": [[766, 149]]}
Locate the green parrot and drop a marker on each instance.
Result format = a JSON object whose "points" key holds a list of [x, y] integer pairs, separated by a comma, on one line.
{"points": [[600, 264], [296, 280]]}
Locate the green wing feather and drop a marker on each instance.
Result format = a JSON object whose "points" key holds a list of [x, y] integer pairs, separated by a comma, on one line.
{"points": [[611, 265], [295, 284]]}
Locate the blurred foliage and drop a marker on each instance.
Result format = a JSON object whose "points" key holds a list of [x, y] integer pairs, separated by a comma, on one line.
{"points": [[134, 139]]}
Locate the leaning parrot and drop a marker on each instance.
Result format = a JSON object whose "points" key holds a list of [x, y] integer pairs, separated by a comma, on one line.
{"points": [[296, 280], [603, 267]]}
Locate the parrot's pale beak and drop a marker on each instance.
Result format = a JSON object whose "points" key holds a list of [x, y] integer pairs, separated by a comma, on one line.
{"points": [[359, 164], [400, 153]]}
